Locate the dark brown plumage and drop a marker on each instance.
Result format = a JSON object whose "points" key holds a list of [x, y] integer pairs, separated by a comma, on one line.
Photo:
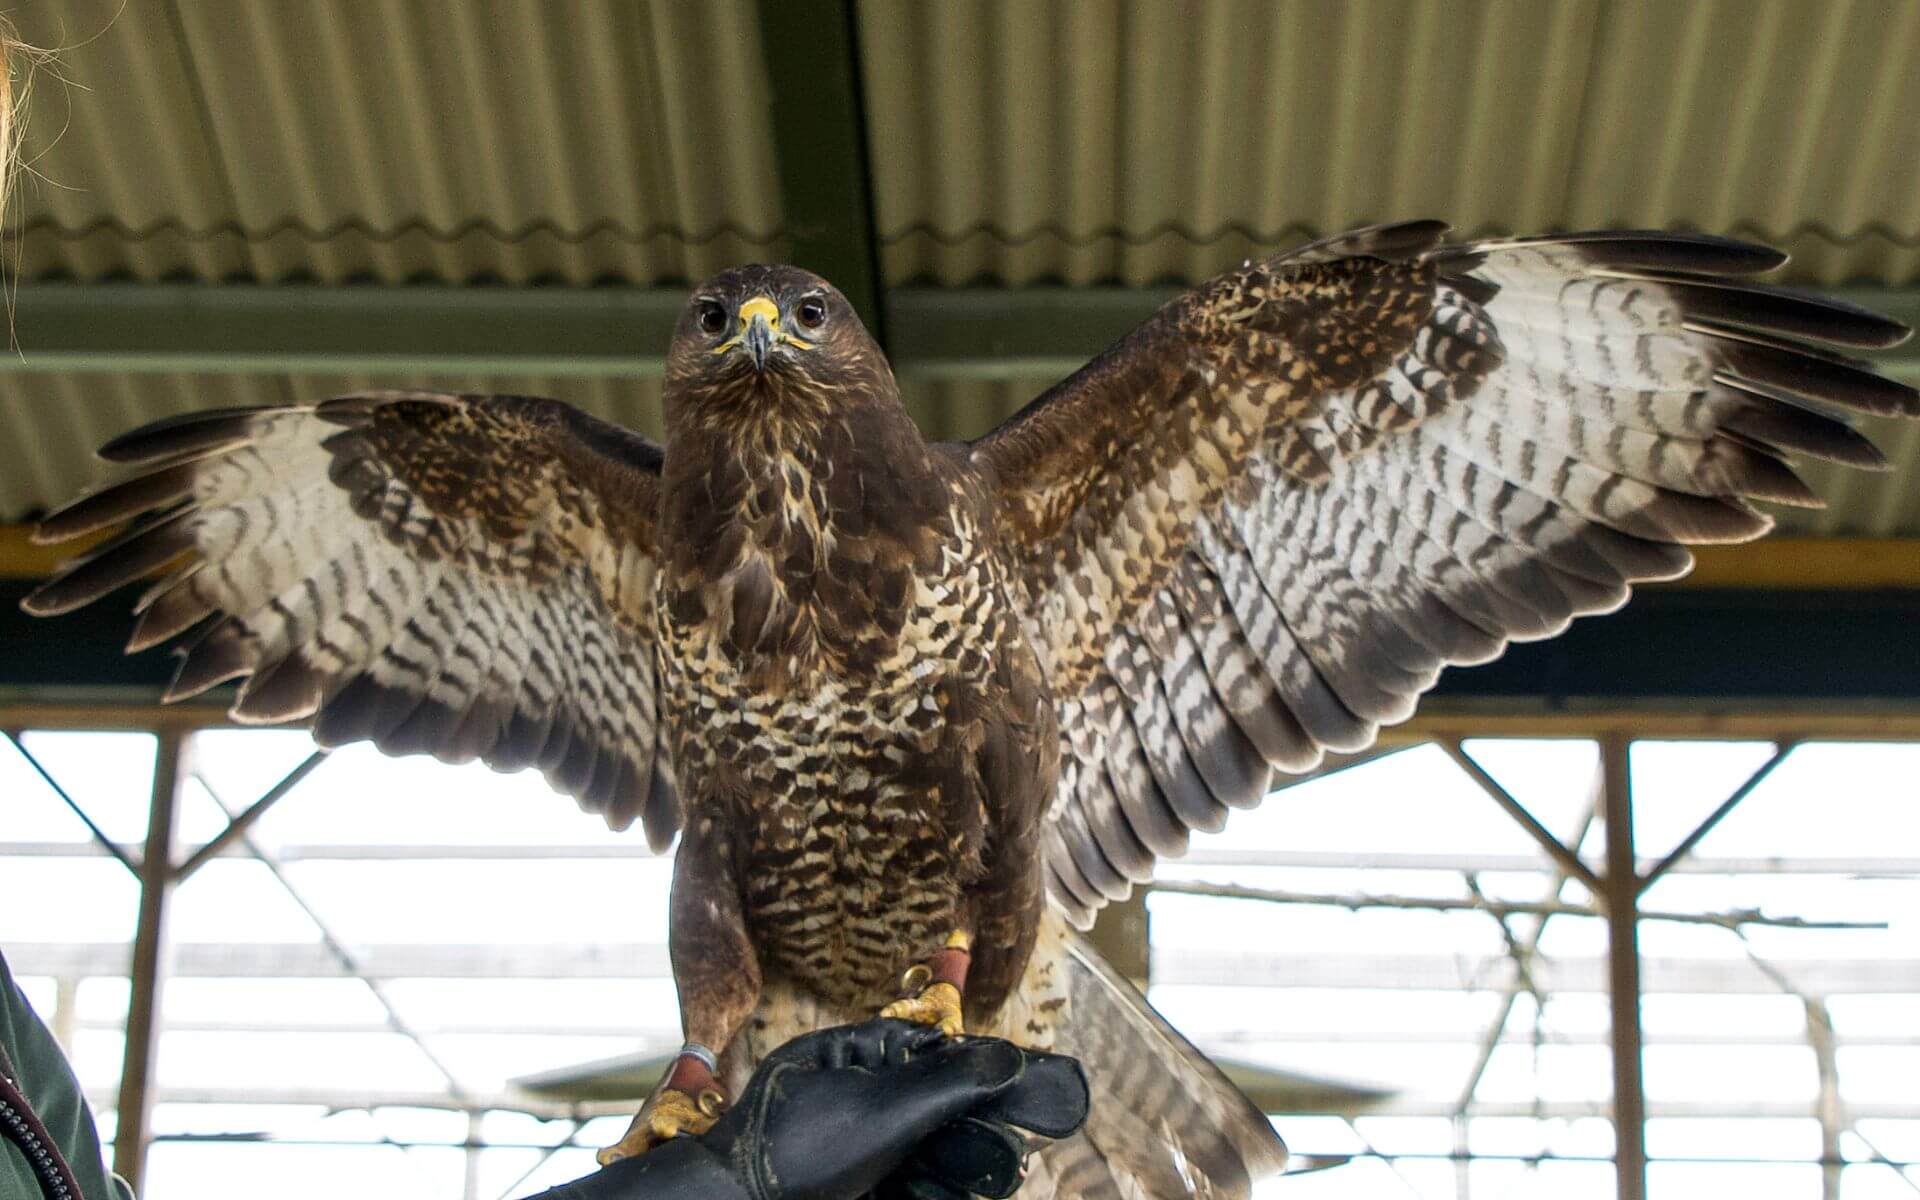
{"points": [[893, 689]]}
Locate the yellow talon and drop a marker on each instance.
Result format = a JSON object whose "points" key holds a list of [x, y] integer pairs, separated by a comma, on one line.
{"points": [[938, 1004], [668, 1115]]}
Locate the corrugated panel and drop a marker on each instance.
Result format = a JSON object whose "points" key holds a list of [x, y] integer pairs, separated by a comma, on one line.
{"points": [[397, 139], [1781, 120], [62, 417], [1137, 141], [1094, 140]]}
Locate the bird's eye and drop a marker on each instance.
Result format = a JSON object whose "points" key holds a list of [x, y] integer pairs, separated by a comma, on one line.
{"points": [[713, 317], [812, 312]]}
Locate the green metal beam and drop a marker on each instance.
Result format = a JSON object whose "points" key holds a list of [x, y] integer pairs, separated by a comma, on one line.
{"points": [[247, 330], [1000, 333], [935, 333], [812, 53]]}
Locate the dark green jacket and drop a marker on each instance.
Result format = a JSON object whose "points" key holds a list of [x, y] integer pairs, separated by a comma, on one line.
{"points": [[33, 1069]]}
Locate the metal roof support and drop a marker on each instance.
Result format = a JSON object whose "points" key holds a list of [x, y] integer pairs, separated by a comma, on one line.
{"points": [[820, 145], [336, 948], [237, 826], [134, 1110], [981, 333], [1781, 749], [1173, 966], [470, 1158], [295, 329], [1499, 910], [666, 1039], [1523, 954], [1285, 859], [1622, 893], [1567, 859], [1833, 1113], [99, 835]]}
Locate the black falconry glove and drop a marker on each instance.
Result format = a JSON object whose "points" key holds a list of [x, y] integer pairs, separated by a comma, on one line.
{"points": [[885, 1108]]}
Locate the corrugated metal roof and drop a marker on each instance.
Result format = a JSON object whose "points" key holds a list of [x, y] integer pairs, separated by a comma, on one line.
{"points": [[1098, 140], [393, 140], [1137, 141]]}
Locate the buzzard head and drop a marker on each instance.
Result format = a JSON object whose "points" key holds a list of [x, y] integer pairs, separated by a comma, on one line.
{"points": [[770, 342]]}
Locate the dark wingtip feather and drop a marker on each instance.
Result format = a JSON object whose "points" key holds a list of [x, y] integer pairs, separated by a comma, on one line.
{"points": [[1765, 309], [1795, 374], [111, 505], [220, 654], [1654, 250], [1790, 427], [174, 610], [363, 710], [1760, 476], [133, 555], [1634, 249], [520, 740], [1696, 520], [188, 433], [421, 731], [290, 690]]}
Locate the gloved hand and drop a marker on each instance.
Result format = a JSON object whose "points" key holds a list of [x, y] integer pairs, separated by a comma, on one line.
{"points": [[886, 1108]]}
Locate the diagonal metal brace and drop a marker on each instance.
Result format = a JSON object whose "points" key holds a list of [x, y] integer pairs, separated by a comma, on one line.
{"points": [[99, 834], [1781, 749], [1556, 850], [237, 826]]}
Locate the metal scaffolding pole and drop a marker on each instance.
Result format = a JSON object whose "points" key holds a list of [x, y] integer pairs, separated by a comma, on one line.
{"points": [[1622, 891], [1833, 1113], [135, 1105]]}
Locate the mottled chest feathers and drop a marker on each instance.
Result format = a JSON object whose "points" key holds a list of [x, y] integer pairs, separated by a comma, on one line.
{"points": [[803, 565]]}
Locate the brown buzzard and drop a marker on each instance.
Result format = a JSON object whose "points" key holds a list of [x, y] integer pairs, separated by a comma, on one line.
{"points": [[916, 707]]}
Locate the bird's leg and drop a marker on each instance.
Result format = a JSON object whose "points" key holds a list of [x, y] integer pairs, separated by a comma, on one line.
{"points": [[938, 986], [717, 974]]}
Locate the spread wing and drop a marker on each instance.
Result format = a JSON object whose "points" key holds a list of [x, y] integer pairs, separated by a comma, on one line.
{"points": [[1257, 528], [467, 576]]}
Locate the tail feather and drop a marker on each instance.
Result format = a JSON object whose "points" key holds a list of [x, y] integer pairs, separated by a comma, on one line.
{"points": [[1165, 1120]]}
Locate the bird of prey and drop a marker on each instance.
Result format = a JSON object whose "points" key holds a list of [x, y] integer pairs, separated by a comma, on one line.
{"points": [[914, 710]]}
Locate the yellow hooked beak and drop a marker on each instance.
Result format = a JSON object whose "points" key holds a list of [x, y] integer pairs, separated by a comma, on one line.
{"points": [[760, 332]]}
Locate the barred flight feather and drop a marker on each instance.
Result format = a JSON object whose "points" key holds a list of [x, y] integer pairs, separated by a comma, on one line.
{"points": [[428, 571], [1526, 428]]}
